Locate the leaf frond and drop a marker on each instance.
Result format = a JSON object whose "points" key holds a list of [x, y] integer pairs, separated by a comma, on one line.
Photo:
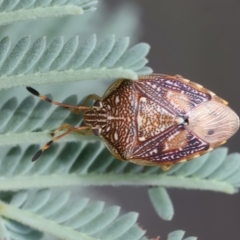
{"points": [[86, 164], [37, 63], [65, 217], [82, 163], [14, 11]]}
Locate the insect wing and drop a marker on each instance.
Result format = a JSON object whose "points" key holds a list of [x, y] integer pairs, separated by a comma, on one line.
{"points": [[172, 145], [175, 94], [173, 98]]}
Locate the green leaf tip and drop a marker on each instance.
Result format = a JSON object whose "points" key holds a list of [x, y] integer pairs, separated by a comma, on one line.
{"points": [[178, 235], [161, 202]]}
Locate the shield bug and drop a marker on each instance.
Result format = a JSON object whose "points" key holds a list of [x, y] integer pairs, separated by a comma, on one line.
{"points": [[158, 120]]}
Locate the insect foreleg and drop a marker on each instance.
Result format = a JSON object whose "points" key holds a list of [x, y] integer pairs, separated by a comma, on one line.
{"points": [[90, 97], [62, 127], [48, 144], [68, 127]]}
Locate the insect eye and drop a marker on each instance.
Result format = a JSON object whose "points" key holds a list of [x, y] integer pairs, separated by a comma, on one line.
{"points": [[96, 131], [97, 103]]}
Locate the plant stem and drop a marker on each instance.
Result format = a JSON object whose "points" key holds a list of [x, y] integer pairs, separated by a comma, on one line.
{"points": [[33, 13], [17, 183], [66, 76], [39, 137]]}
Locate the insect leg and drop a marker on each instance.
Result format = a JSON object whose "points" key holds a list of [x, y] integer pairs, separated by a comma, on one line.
{"points": [[166, 167], [91, 97], [66, 126], [62, 127], [75, 109], [48, 144], [87, 131]]}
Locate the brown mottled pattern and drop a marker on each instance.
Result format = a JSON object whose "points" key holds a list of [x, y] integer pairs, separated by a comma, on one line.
{"points": [[179, 101], [162, 88], [152, 119], [153, 149], [120, 130], [96, 117], [176, 141], [138, 127], [161, 119]]}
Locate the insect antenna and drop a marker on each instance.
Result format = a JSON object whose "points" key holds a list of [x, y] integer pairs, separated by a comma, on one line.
{"points": [[75, 109], [48, 144]]}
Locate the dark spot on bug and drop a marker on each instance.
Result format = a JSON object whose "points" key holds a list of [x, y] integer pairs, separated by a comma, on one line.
{"points": [[96, 131], [97, 103], [186, 122], [210, 132]]}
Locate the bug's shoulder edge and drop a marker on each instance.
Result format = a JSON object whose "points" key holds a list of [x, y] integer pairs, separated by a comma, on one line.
{"points": [[177, 77], [113, 87]]}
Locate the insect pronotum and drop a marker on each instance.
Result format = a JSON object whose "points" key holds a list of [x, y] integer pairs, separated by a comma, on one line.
{"points": [[158, 120]]}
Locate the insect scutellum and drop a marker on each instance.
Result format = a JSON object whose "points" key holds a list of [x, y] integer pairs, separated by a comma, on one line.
{"points": [[158, 120]]}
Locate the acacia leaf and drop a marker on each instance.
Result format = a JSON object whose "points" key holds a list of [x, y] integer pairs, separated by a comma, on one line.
{"points": [[28, 64], [20, 10], [65, 217]]}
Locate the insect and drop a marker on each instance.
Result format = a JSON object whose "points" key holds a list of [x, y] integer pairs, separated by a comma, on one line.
{"points": [[158, 120]]}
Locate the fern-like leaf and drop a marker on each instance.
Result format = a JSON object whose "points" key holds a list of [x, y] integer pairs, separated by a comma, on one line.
{"points": [[18, 119], [19, 10], [82, 164], [21, 114], [88, 164], [36, 64], [65, 217]]}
